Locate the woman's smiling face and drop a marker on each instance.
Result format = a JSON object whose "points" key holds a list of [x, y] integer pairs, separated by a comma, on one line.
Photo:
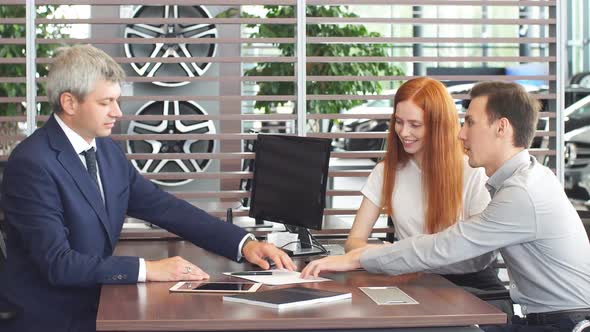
{"points": [[409, 127]]}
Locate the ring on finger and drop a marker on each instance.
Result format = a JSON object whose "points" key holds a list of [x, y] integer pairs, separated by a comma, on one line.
{"points": [[188, 270]]}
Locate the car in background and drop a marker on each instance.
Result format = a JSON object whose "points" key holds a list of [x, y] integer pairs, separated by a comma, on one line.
{"points": [[385, 106], [577, 152], [375, 106]]}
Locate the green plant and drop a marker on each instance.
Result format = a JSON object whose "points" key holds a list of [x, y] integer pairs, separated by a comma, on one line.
{"points": [[352, 87], [53, 31]]}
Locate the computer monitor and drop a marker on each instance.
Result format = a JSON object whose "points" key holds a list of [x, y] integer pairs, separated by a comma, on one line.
{"points": [[289, 184]]}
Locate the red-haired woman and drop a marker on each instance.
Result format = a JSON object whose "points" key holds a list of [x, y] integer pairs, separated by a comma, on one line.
{"points": [[425, 178]]}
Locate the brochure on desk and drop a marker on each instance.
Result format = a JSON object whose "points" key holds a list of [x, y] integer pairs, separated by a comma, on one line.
{"points": [[278, 277], [286, 298]]}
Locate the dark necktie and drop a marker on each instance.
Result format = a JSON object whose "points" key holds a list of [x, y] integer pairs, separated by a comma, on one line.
{"points": [[90, 156]]}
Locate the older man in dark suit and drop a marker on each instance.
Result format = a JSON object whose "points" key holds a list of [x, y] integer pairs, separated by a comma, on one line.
{"points": [[66, 191]]}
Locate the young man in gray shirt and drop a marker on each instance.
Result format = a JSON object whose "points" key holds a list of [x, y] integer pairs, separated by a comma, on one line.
{"points": [[529, 220]]}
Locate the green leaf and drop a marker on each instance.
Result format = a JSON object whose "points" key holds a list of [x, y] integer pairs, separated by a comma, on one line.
{"points": [[322, 69]]}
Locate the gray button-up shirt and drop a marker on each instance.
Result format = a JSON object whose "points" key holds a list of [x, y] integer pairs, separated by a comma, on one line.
{"points": [[530, 220]]}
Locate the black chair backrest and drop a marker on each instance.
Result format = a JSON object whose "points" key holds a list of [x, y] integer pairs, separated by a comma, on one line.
{"points": [[247, 166], [8, 310]]}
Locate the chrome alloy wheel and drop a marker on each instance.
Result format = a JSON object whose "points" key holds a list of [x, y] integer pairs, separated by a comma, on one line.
{"points": [[171, 146], [164, 50]]}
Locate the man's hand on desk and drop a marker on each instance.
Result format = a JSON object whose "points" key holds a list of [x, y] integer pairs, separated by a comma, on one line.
{"points": [[173, 269], [255, 252], [348, 262]]}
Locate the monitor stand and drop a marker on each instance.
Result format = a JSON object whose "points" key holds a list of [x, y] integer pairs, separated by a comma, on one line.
{"points": [[259, 224], [305, 247]]}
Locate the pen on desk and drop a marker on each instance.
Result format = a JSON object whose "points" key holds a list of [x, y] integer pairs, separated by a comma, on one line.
{"points": [[395, 301], [251, 273]]}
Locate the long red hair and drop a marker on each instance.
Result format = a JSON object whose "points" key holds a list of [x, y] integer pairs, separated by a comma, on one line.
{"points": [[442, 164]]}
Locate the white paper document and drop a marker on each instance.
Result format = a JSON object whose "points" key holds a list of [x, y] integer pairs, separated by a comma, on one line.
{"points": [[278, 277]]}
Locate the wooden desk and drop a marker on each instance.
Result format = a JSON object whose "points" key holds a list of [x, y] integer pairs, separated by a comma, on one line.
{"points": [[150, 306]]}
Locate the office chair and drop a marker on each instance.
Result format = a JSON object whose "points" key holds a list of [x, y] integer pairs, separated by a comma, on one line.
{"points": [[498, 295], [248, 166]]}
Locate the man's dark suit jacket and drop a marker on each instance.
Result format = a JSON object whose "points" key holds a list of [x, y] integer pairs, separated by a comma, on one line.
{"points": [[61, 236]]}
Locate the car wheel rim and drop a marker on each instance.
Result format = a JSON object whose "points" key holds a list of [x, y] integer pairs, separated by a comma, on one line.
{"points": [[151, 166], [164, 50]]}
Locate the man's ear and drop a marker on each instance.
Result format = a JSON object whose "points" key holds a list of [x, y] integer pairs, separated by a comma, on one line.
{"points": [[503, 127], [68, 103]]}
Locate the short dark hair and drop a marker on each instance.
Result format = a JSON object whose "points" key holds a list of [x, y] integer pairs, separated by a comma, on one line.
{"points": [[511, 101]]}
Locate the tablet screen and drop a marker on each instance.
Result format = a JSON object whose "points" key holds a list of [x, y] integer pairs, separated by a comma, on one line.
{"points": [[224, 286], [211, 286]]}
